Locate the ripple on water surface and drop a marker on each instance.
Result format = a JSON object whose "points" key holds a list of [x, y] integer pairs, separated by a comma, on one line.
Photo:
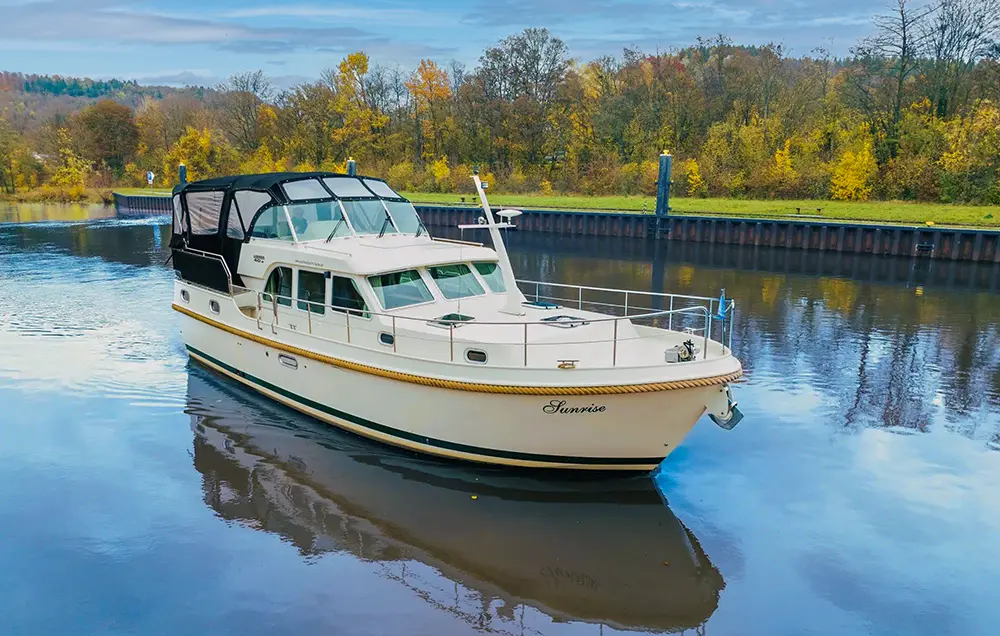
{"points": [[857, 496]]}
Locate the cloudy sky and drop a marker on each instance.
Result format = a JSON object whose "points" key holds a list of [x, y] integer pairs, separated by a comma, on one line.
{"points": [[201, 41]]}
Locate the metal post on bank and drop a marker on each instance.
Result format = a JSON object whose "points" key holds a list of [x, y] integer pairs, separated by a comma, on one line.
{"points": [[663, 183], [352, 167], [182, 173]]}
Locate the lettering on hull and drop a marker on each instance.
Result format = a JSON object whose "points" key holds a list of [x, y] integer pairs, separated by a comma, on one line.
{"points": [[559, 407]]}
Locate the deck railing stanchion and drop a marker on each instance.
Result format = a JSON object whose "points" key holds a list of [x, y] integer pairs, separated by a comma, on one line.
{"points": [[260, 309], [614, 345], [451, 339], [670, 316], [309, 316], [536, 292], [708, 327], [394, 334], [525, 344], [580, 298], [347, 315], [626, 304]]}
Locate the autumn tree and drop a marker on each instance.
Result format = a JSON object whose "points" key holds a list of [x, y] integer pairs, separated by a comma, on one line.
{"points": [[430, 90], [242, 98], [108, 134]]}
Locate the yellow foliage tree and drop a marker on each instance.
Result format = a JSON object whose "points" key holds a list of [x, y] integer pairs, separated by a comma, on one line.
{"points": [[204, 153], [441, 173], [72, 170], [781, 176], [430, 90], [696, 186], [853, 174]]}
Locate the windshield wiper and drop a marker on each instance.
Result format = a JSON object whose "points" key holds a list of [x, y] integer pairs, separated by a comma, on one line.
{"points": [[335, 228], [385, 224], [422, 228]]}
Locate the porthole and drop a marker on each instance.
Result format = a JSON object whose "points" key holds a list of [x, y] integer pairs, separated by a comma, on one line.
{"points": [[214, 306], [476, 356], [185, 296], [386, 338], [288, 361]]}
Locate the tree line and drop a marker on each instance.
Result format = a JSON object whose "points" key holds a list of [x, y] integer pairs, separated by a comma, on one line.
{"points": [[913, 113]]}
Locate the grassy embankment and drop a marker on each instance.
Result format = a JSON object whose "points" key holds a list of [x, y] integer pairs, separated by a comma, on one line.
{"points": [[864, 212]]}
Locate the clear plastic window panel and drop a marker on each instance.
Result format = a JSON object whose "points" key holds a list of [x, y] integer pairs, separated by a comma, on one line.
{"points": [[304, 190], [347, 187], [404, 215], [381, 188], [368, 217]]}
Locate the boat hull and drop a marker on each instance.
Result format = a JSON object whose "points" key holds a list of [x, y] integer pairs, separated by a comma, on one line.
{"points": [[614, 432]]}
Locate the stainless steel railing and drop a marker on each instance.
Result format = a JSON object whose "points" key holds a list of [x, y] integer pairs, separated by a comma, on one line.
{"points": [[271, 303]]}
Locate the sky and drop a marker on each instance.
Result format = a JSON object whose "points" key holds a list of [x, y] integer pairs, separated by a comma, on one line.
{"points": [[180, 42]]}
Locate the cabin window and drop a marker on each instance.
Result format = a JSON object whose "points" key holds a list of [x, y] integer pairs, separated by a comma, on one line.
{"points": [[456, 281], [312, 292], [368, 217], [234, 226], [279, 284], [404, 216], [347, 187], [204, 209], [386, 338], [400, 289], [493, 276], [346, 296], [214, 306], [476, 356], [304, 190]]}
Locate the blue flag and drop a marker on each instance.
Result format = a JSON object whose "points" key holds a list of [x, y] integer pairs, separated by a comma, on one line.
{"points": [[722, 305]]}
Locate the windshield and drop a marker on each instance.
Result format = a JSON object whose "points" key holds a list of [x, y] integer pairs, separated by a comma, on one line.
{"points": [[368, 216], [492, 275], [456, 281], [400, 289], [380, 188], [311, 221], [404, 216]]}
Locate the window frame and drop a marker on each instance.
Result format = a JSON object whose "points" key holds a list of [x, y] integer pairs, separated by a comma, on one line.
{"points": [[420, 272], [430, 274], [304, 304], [364, 313], [272, 297]]}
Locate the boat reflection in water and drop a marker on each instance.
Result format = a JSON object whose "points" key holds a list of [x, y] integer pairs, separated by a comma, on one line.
{"points": [[492, 542]]}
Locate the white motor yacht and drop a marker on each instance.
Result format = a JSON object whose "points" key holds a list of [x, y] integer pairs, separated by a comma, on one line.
{"points": [[325, 292]]}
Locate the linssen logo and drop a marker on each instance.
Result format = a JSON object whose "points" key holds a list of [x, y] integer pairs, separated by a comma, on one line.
{"points": [[258, 258], [559, 406]]}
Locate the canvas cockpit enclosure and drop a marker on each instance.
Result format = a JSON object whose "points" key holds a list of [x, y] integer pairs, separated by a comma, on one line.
{"points": [[213, 218]]}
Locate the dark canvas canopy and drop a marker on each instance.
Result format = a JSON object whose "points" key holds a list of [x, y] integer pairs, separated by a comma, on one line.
{"points": [[215, 215]]}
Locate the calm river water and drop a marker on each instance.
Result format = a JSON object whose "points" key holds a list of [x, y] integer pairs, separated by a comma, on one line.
{"points": [[141, 494]]}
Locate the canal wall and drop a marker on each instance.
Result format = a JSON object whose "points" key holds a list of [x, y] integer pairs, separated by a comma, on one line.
{"points": [[936, 243]]}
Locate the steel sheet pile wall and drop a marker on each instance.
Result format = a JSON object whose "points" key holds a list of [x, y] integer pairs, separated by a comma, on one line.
{"points": [[932, 242]]}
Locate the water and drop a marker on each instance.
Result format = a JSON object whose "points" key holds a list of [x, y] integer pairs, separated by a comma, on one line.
{"points": [[140, 494]]}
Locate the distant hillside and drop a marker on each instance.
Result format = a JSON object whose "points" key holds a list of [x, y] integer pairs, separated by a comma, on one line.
{"points": [[28, 100]]}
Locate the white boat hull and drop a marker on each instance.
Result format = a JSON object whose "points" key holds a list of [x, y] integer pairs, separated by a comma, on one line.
{"points": [[628, 431]]}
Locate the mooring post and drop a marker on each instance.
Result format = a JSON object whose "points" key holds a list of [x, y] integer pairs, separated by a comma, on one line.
{"points": [[182, 173], [352, 167], [663, 193]]}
